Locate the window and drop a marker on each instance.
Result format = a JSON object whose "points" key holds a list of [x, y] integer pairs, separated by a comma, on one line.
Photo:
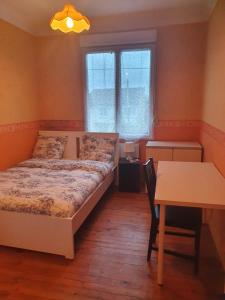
{"points": [[119, 92]]}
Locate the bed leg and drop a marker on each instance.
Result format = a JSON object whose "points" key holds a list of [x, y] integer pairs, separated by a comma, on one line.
{"points": [[69, 247], [69, 256], [69, 251]]}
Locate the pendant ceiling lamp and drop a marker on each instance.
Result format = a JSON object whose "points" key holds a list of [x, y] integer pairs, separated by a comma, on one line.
{"points": [[69, 20]]}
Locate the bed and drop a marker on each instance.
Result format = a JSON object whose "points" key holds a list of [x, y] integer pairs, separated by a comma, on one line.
{"points": [[49, 226]]}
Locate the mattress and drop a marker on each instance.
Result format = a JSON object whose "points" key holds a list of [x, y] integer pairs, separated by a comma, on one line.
{"points": [[50, 186]]}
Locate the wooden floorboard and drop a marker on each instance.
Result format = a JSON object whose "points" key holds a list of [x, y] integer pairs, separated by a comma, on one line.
{"points": [[110, 262]]}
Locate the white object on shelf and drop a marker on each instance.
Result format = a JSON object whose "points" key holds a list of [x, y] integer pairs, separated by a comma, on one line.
{"points": [[129, 149], [129, 146]]}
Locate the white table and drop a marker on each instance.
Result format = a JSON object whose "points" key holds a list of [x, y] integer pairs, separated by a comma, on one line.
{"points": [[193, 184]]}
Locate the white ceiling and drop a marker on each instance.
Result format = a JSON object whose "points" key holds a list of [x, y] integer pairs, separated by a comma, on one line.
{"points": [[34, 15]]}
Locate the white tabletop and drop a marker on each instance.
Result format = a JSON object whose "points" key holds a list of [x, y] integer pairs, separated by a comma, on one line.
{"points": [[193, 184], [175, 144]]}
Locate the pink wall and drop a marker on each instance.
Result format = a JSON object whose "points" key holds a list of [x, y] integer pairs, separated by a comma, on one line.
{"points": [[179, 79], [19, 106], [213, 111], [179, 130], [18, 73], [180, 67], [16, 142], [60, 78]]}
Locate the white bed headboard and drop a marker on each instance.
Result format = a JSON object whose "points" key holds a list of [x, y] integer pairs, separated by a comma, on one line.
{"points": [[74, 142]]}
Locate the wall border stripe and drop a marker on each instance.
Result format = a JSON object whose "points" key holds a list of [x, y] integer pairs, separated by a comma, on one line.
{"points": [[213, 132], [20, 126], [78, 125]]}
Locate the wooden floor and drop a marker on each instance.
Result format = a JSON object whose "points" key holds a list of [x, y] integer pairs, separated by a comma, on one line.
{"points": [[110, 262]]}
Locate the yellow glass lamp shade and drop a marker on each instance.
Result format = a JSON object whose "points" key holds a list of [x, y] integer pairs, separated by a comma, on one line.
{"points": [[69, 19]]}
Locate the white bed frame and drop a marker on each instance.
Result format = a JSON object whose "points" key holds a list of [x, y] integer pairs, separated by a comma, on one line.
{"points": [[48, 233]]}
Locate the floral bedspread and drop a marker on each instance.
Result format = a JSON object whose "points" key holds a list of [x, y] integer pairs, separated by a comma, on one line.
{"points": [[50, 187], [67, 164]]}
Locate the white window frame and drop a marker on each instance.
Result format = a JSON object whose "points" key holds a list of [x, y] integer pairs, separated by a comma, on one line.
{"points": [[117, 49]]}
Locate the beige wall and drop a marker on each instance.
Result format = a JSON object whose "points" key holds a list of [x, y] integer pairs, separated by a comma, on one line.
{"points": [[19, 105], [214, 104], [180, 65], [213, 113], [18, 89], [60, 78], [179, 58]]}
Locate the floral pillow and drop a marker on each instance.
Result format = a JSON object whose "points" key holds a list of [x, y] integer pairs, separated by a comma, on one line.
{"points": [[96, 148], [49, 147]]}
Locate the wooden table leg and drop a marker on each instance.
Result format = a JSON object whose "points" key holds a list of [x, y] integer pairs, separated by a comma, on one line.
{"points": [[161, 244]]}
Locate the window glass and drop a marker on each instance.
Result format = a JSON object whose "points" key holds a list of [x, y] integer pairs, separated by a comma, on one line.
{"points": [[100, 92], [134, 104], [118, 92]]}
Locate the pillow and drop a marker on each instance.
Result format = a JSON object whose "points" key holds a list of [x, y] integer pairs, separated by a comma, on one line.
{"points": [[97, 148], [49, 147]]}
